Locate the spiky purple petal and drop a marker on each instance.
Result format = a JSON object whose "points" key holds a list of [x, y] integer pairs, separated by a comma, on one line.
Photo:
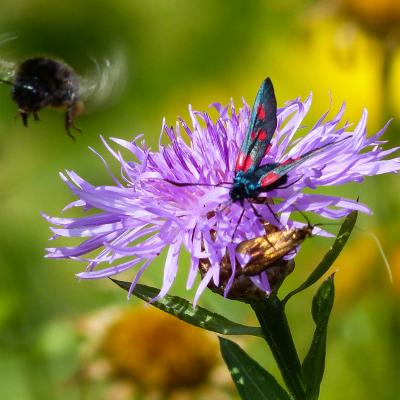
{"points": [[144, 213]]}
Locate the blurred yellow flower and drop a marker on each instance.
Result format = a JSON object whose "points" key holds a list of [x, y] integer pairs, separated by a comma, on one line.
{"points": [[158, 350], [379, 16], [143, 351], [356, 261]]}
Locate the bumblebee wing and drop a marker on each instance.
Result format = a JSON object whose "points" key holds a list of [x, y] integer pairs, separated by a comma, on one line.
{"points": [[7, 71], [105, 82], [7, 68], [261, 128]]}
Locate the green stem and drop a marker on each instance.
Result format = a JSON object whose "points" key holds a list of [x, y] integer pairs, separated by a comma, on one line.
{"points": [[275, 327]]}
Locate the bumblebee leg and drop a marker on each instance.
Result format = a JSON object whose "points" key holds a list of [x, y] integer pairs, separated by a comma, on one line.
{"points": [[68, 123], [76, 128], [72, 111], [24, 116], [36, 116]]}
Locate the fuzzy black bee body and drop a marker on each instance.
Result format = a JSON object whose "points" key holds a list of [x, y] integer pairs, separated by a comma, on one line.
{"points": [[39, 82], [44, 82]]}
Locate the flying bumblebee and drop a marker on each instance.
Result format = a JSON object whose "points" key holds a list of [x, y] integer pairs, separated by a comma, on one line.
{"points": [[41, 82], [44, 82]]}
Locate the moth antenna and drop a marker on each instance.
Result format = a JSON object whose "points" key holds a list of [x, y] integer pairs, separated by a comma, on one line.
{"points": [[305, 217], [372, 235], [310, 225], [327, 223], [381, 251], [290, 184], [182, 184]]}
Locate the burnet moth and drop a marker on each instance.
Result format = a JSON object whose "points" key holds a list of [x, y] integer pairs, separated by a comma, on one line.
{"points": [[251, 178]]}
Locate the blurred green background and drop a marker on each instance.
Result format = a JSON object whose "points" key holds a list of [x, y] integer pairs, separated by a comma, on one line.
{"points": [[175, 53]]}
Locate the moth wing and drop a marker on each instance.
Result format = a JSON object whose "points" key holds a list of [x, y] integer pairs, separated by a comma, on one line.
{"points": [[256, 143], [255, 246], [271, 175], [261, 252]]}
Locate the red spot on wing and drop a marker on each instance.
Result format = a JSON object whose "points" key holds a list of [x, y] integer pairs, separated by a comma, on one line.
{"points": [[262, 135], [269, 179], [290, 160], [253, 135], [248, 163], [267, 149], [261, 112], [240, 161]]}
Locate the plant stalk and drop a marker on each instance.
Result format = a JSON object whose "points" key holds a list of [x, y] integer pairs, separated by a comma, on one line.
{"points": [[271, 315]]}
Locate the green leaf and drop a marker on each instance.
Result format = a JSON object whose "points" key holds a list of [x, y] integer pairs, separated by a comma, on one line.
{"points": [[330, 256], [183, 309], [314, 363], [252, 381], [271, 314]]}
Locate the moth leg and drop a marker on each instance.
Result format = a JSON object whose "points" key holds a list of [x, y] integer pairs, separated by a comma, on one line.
{"points": [[237, 225], [266, 201], [267, 226]]}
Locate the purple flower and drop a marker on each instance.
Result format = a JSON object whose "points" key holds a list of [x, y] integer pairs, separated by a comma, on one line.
{"points": [[146, 213]]}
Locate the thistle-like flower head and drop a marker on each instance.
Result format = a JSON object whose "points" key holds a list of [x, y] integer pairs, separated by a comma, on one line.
{"points": [[178, 197]]}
